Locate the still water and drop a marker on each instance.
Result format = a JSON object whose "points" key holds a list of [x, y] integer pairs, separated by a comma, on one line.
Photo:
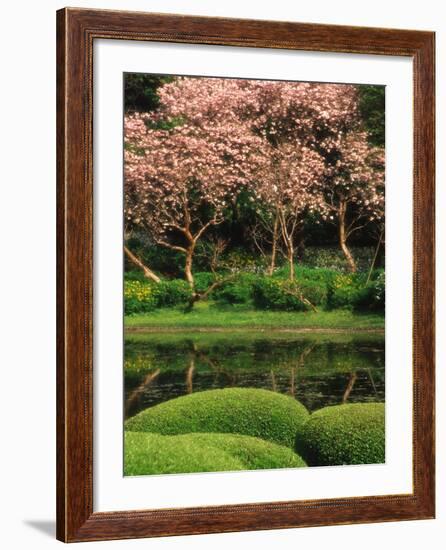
{"points": [[318, 370]]}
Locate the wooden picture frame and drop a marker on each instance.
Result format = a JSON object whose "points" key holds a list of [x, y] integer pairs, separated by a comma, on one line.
{"points": [[76, 31]]}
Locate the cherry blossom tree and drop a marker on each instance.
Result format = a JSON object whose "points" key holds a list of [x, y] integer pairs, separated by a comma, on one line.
{"points": [[300, 124], [286, 190], [179, 182], [352, 194], [278, 111], [297, 147]]}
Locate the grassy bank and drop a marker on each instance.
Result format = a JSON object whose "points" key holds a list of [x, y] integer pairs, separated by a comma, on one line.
{"points": [[207, 316]]}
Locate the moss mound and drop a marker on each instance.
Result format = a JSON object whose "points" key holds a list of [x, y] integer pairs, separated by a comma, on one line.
{"points": [[147, 453], [247, 411], [343, 434]]}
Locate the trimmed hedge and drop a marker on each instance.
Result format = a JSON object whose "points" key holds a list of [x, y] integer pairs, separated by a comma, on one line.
{"points": [[148, 453], [343, 434], [247, 411]]}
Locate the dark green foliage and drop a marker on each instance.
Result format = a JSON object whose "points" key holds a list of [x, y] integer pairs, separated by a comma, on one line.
{"points": [[247, 411], [373, 296], [344, 290], [372, 104], [353, 292], [203, 280], [135, 275], [237, 291], [172, 293], [140, 91], [284, 295], [332, 258], [149, 453], [163, 260], [269, 293], [343, 434]]}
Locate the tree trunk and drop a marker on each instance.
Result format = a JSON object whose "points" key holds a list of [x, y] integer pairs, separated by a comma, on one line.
{"points": [[348, 389], [343, 238], [147, 272], [188, 266], [272, 264], [372, 265], [190, 375], [290, 248]]}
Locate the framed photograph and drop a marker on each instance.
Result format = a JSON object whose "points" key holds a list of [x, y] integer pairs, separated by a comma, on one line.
{"points": [[245, 275]]}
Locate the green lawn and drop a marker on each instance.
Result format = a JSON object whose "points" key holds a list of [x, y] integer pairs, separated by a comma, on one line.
{"points": [[206, 315]]}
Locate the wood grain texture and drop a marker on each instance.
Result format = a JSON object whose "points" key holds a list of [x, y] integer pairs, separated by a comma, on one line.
{"points": [[76, 31]]}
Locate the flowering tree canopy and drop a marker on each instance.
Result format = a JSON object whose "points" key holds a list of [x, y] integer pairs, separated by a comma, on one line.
{"points": [[286, 189], [309, 112], [352, 194], [180, 181], [299, 119], [296, 147]]}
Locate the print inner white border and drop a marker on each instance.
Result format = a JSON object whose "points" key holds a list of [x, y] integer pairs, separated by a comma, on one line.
{"points": [[113, 491]]}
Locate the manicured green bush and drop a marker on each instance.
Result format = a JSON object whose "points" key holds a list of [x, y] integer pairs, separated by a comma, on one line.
{"points": [[247, 411], [343, 434], [149, 453]]}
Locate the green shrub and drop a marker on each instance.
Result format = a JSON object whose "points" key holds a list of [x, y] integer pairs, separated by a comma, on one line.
{"points": [[138, 297], [203, 280], [246, 411], [145, 296], [373, 296], [269, 293], [343, 434], [350, 291], [172, 293], [148, 453], [314, 291], [314, 273], [278, 294], [344, 290], [237, 291]]}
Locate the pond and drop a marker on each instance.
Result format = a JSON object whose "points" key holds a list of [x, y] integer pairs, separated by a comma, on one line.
{"points": [[317, 369]]}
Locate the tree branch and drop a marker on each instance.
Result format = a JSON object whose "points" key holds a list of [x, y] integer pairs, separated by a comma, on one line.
{"points": [[172, 246], [147, 272]]}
